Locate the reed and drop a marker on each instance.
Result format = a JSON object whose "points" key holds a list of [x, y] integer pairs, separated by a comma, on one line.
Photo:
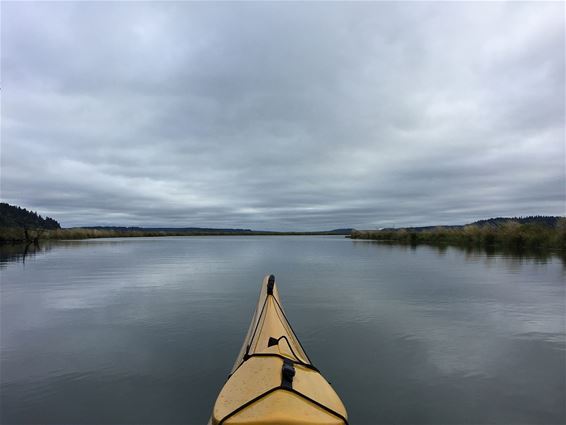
{"points": [[511, 234], [14, 235], [18, 235]]}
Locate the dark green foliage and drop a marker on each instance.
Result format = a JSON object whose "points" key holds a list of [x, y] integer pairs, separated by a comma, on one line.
{"points": [[20, 218]]}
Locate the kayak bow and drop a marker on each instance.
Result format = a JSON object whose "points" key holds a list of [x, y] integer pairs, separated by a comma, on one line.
{"points": [[273, 380]]}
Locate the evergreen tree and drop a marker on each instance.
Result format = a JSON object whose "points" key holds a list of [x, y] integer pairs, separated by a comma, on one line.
{"points": [[12, 216]]}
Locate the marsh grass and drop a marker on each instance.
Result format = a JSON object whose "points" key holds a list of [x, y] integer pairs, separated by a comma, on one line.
{"points": [[17, 235], [511, 234]]}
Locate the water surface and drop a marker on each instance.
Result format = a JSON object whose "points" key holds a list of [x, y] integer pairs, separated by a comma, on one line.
{"points": [[145, 330]]}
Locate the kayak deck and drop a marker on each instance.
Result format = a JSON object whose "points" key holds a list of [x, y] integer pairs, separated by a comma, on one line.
{"points": [[273, 381]]}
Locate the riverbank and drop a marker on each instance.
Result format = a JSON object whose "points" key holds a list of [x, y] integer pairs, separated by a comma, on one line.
{"points": [[510, 235], [17, 235]]}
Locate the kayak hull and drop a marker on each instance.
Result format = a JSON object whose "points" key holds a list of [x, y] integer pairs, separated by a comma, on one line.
{"points": [[273, 381]]}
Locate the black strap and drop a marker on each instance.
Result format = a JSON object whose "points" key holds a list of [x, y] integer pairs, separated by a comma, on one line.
{"points": [[270, 284], [287, 374], [274, 341], [282, 357]]}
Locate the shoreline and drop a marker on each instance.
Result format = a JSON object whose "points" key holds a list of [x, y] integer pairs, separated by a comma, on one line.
{"points": [[511, 235], [18, 236]]}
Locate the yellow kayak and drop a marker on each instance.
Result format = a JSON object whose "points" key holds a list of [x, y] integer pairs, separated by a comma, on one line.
{"points": [[273, 381]]}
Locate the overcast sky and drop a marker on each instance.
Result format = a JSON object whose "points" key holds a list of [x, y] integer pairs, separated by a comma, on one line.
{"points": [[283, 115]]}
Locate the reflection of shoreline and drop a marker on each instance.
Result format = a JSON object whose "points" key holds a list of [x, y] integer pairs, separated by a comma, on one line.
{"points": [[10, 253], [537, 255], [20, 252]]}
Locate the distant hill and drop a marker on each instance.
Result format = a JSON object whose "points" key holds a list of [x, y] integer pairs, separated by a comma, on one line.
{"points": [[421, 228], [12, 216], [208, 230], [545, 220], [346, 231]]}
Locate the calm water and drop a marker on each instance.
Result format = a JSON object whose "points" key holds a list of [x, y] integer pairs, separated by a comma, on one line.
{"points": [[146, 330]]}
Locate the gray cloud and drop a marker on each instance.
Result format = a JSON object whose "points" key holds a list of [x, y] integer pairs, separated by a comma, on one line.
{"points": [[283, 115]]}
